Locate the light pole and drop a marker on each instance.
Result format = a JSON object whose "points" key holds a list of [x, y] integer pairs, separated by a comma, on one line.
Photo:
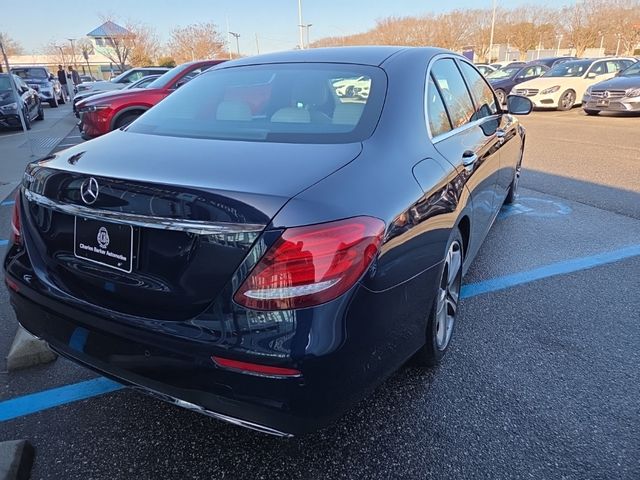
{"points": [[307, 27], [558, 49], [493, 28], [73, 53], [300, 24], [601, 43], [61, 54], [237, 35], [619, 35]]}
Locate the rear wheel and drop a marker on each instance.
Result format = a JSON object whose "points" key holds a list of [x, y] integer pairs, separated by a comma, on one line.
{"points": [[591, 112], [27, 118], [502, 96], [53, 103], [443, 312], [125, 120], [61, 100], [567, 100]]}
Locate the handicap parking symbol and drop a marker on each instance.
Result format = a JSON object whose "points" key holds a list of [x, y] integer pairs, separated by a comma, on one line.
{"points": [[535, 207]]}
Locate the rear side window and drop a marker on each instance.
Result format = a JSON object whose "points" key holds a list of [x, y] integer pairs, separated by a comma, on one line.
{"points": [[454, 91], [436, 113], [485, 102], [293, 103]]}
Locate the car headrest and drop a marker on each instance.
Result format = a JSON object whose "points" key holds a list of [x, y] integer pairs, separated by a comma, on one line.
{"points": [[291, 115]]}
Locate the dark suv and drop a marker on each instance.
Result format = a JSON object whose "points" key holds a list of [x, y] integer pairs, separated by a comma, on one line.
{"points": [[43, 82]]}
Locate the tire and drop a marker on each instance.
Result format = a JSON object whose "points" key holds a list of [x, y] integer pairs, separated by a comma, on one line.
{"points": [[27, 119], [591, 112], [502, 96], [125, 120], [567, 100], [512, 195], [62, 101], [40, 112], [443, 311], [53, 103]]}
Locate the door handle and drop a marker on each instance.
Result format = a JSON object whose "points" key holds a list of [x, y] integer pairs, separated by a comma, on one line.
{"points": [[469, 158]]}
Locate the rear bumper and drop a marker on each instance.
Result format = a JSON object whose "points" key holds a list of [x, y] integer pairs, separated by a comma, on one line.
{"points": [[344, 349]]}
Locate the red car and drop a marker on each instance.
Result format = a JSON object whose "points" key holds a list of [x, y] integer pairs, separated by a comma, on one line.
{"points": [[107, 111]]}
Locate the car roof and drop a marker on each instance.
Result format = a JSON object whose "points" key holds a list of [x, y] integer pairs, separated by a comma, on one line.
{"points": [[368, 55]]}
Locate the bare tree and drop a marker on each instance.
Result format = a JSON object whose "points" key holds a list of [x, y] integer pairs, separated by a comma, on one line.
{"points": [[60, 52], [196, 42], [145, 46], [11, 46]]}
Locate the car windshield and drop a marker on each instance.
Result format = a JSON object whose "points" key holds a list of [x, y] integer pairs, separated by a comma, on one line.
{"points": [[31, 73], [167, 77], [569, 69], [632, 71], [506, 72], [292, 103]]}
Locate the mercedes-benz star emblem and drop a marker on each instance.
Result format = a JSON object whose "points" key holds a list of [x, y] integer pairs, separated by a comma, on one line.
{"points": [[606, 94], [89, 190], [103, 237]]}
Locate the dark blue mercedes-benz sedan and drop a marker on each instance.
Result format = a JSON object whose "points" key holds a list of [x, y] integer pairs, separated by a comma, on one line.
{"points": [[274, 239]]}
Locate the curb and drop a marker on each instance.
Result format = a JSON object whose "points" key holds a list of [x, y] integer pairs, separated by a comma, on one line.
{"points": [[16, 460], [28, 351]]}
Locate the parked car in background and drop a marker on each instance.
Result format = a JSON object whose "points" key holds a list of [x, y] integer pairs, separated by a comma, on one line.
{"points": [[260, 249], [508, 63], [504, 79], [43, 82], [352, 87], [87, 79], [121, 80], [142, 83], [618, 94], [551, 62], [111, 110], [485, 69], [564, 85], [28, 101]]}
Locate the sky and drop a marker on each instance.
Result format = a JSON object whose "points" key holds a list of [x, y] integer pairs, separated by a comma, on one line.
{"points": [[273, 21]]}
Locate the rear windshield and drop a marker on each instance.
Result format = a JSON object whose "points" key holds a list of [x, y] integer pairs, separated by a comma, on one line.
{"points": [[4, 83], [569, 69], [293, 103], [31, 73]]}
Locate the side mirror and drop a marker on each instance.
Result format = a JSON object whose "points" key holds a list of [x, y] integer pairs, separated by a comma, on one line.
{"points": [[591, 75], [518, 105]]}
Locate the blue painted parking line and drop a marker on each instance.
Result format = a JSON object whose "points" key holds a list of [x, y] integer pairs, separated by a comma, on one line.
{"points": [[559, 268], [36, 402], [3, 242], [7, 203]]}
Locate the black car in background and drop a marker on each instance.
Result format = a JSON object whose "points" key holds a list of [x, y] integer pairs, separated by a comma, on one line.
{"points": [[43, 82], [551, 62], [27, 101], [259, 248], [618, 94], [504, 79]]}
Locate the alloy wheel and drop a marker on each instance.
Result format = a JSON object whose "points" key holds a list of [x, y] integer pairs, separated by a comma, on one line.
{"points": [[567, 100], [448, 295]]}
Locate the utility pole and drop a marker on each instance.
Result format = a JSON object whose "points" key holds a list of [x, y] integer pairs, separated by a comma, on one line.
{"points": [[237, 35], [300, 24], [257, 45], [17, 96], [619, 35], [64, 62], [601, 43], [493, 28]]}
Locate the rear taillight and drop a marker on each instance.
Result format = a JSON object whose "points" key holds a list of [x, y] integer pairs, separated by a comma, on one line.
{"points": [[311, 265], [16, 230]]}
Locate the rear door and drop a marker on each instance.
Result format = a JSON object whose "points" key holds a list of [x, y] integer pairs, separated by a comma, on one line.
{"points": [[464, 132]]}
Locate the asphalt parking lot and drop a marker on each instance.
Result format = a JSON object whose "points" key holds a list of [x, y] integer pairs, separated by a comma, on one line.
{"points": [[542, 381]]}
